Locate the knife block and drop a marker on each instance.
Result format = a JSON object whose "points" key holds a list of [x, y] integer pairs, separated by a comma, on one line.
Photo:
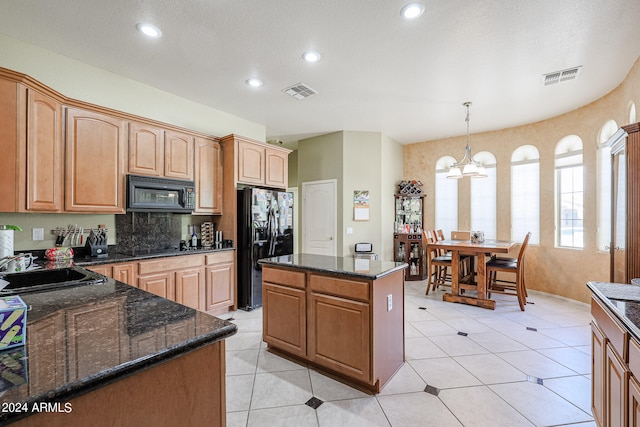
{"points": [[97, 250]]}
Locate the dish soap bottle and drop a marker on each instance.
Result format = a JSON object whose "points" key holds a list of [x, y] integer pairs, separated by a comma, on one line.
{"points": [[194, 237]]}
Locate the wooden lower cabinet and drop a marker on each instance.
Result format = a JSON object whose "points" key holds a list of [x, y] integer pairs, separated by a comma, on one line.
{"points": [[615, 362], [203, 282], [285, 323], [160, 284], [339, 335], [190, 288], [617, 379], [220, 284], [634, 402], [598, 348], [340, 324]]}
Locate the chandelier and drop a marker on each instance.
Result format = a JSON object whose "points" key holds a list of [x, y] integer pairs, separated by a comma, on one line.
{"points": [[467, 166]]}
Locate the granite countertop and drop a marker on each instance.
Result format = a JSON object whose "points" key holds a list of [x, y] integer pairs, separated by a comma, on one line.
{"points": [[114, 256], [623, 301], [84, 337], [344, 266]]}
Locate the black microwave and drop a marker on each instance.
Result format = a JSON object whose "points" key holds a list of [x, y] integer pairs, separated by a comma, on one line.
{"points": [[151, 194]]}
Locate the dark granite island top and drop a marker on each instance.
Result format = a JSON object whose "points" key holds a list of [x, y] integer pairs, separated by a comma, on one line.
{"points": [[342, 266], [81, 339], [623, 301]]}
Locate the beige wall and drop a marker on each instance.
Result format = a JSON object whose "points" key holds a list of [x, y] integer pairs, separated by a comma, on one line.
{"points": [[358, 161], [559, 271]]}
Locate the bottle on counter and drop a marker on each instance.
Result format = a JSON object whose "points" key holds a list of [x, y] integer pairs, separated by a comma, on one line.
{"points": [[194, 237]]}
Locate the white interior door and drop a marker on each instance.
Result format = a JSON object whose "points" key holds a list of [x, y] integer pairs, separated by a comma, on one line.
{"points": [[319, 217]]}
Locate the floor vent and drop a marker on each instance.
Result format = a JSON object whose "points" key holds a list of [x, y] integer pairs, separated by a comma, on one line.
{"points": [[561, 76], [299, 91]]}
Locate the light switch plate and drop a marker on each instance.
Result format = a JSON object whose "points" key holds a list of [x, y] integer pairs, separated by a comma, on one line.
{"points": [[389, 302], [37, 234], [349, 230]]}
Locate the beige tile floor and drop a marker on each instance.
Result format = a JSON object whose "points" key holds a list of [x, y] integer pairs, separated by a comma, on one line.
{"points": [[491, 377]]}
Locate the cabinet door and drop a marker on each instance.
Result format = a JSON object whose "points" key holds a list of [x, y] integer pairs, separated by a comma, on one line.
{"points": [[616, 382], [95, 162], [178, 155], [190, 289], [339, 335], [45, 338], [43, 154], [251, 163], [146, 150], [284, 318], [208, 176], [598, 346], [160, 284], [126, 273], [220, 286], [276, 168], [634, 403], [97, 329]]}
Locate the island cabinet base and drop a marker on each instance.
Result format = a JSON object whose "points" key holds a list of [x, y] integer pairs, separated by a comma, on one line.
{"points": [[348, 326], [186, 391]]}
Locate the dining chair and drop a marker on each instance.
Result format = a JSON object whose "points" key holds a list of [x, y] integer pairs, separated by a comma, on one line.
{"points": [[509, 265], [438, 262]]}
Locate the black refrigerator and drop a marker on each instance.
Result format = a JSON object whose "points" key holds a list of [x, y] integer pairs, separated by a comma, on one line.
{"points": [[265, 229]]}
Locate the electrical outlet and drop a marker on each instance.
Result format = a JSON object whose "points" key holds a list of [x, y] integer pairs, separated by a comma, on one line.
{"points": [[37, 234], [389, 302]]}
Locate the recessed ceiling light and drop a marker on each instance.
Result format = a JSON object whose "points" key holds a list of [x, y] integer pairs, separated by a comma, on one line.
{"points": [[412, 10], [253, 82], [311, 56], [149, 30]]}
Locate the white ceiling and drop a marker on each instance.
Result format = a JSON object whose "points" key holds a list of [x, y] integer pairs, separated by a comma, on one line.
{"points": [[379, 72]]}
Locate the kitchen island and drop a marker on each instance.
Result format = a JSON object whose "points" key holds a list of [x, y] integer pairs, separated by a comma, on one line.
{"points": [[110, 354], [615, 353], [344, 316]]}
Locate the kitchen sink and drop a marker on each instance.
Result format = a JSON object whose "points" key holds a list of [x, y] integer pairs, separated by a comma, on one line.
{"points": [[31, 281]]}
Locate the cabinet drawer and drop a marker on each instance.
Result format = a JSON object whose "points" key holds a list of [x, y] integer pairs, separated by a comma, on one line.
{"points": [[284, 277], [170, 264], [611, 328], [634, 357], [341, 287], [216, 258]]}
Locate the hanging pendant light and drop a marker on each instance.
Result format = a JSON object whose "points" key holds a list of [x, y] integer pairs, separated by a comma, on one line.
{"points": [[467, 166]]}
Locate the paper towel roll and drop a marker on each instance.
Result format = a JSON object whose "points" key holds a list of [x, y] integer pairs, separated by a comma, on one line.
{"points": [[6, 243]]}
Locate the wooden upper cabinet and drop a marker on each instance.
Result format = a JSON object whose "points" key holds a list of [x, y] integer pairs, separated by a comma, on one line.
{"points": [[208, 176], [178, 155], [277, 164], [95, 158], [41, 182], [257, 163], [251, 163], [146, 149]]}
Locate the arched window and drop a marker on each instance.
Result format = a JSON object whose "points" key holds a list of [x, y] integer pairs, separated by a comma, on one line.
{"points": [[446, 197], [604, 184], [483, 197], [569, 192], [525, 193]]}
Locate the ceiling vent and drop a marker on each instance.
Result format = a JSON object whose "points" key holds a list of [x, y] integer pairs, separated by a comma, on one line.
{"points": [[561, 76], [299, 91]]}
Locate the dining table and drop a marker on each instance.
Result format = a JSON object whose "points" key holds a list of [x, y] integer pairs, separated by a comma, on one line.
{"points": [[482, 252]]}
